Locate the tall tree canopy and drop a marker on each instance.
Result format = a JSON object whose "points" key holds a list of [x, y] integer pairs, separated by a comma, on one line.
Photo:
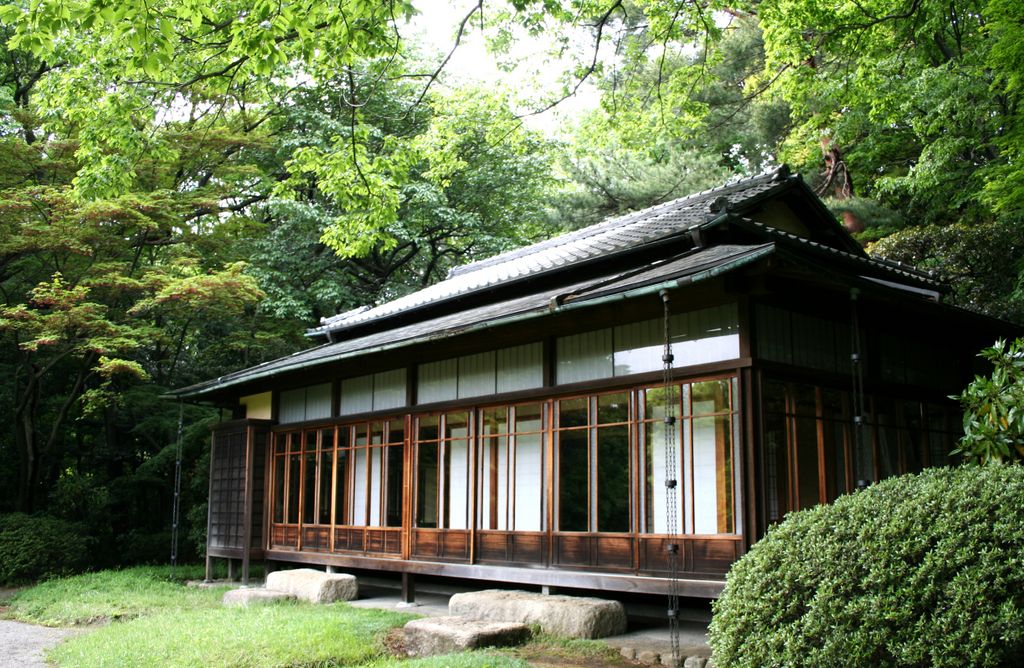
{"points": [[185, 184], [155, 231]]}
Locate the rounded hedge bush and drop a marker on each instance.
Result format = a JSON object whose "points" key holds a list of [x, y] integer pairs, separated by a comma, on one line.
{"points": [[34, 547], [920, 570]]}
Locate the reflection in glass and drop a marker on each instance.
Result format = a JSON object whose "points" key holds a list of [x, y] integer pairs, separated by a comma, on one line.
{"points": [[808, 487], [279, 486], [341, 498], [326, 474], [776, 470], [528, 417], [428, 428], [612, 408], [572, 412], [913, 433], [294, 485], [395, 478], [494, 421], [613, 478], [376, 487], [426, 485], [710, 396], [572, 480], [888, 439], [310, 488]]}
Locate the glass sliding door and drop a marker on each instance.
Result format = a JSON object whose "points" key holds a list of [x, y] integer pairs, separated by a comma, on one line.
{"points": [[394, 473], [612, 496], [815, 451], [592, 438], [708, 435], [510, 468], [442, 471], [702, 462], [572, 443]]}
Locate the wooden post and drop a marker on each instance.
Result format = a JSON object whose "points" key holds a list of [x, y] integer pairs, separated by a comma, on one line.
{"points": [[209, 508], [247, 503], [232, 570], [408, 588]]}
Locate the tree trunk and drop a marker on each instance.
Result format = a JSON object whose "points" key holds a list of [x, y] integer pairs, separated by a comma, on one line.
{"points": [[28, 444], [838, 183]]}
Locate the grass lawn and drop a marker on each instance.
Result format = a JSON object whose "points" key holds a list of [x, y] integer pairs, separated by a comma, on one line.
{"points": [[144, 617], [109, 596]]}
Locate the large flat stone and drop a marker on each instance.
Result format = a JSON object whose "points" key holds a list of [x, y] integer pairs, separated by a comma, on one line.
{"points": [[314, 586], [441, 635], [246, 597], [573, 616]]}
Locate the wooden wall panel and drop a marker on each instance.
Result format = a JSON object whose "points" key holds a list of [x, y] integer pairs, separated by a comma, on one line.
{"points": [[384, 541], [316, 538], [713, 555], [613, 552], [455, 545], [440, 544], [653, 553], [708, 556], [426, 544], [284, 535], [529, 548], [493, 547], [227, 487], [572, 550]]}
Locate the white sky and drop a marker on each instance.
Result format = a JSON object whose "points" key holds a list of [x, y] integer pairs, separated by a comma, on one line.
{"points": [[435, 27]]}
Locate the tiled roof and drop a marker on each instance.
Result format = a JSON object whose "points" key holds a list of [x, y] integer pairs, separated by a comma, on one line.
{"points": [[893, 270], [600, 240], [691, 265]]}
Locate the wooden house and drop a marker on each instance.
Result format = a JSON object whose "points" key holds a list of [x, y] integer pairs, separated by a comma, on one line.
{"points": [[518, 421]]}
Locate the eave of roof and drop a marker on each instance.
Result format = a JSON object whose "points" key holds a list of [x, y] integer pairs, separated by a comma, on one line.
{"points": [[690, 267], [894, 272]]}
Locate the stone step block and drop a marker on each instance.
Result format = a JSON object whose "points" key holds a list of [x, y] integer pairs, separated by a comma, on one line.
{"points": [[245, 597], [572, 616], [307, 584], [441, 635]]}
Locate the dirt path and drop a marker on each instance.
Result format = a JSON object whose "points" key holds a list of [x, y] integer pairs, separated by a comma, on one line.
{"points": [[23, 645]]}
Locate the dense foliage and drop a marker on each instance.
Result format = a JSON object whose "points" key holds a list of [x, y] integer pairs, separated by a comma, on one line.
{"points": [[994, 408], [918, 570], [154, 234], [34, 547], [185, 185]]}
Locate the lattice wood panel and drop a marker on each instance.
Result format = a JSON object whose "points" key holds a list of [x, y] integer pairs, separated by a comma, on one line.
{"points": [[227, 489]]}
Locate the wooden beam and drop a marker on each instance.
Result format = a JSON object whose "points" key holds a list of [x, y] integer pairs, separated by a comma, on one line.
{"points": [[692, 587]]}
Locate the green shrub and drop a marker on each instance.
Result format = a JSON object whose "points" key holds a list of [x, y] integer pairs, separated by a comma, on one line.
{"points": [[33, 547], [919, 570], [140, 547], [993, 420]]}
